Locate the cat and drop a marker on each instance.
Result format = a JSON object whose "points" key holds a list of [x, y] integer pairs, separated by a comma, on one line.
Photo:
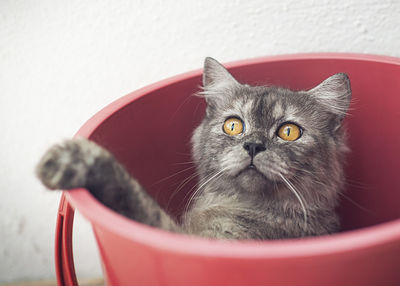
{"points": [[269, 160]]}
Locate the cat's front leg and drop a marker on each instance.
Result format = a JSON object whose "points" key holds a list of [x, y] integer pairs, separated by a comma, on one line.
{"points": [[81, 163], [67, 165]]}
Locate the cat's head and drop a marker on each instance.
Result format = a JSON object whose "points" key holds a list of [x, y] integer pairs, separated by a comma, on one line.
{"points": [[251, 136]]}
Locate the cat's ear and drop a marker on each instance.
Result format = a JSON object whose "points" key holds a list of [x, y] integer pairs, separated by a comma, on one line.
{"points": [[215, 74], [218, 83], [334, 94]]}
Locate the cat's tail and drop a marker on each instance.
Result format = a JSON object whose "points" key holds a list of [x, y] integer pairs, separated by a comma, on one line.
{"points": [[80, 163]]}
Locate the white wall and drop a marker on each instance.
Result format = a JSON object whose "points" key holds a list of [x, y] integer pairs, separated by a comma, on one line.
{"points": [[61, 61]]}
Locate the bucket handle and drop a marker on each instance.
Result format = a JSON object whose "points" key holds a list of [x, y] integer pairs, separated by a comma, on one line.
{"points": [[64, 259]]}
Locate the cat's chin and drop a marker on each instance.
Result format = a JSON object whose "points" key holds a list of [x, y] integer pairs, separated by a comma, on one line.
{"points": [[251, 179]]}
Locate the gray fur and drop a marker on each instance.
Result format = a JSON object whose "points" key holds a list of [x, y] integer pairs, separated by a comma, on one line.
{"points": [[292, 190], [80, 163]]}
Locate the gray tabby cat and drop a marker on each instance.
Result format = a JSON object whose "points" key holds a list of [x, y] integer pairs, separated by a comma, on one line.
{"points": [[269, 162]]}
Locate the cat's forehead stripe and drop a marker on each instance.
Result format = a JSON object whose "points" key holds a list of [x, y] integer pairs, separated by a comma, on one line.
{"points": [[277, 111], [243, 108], [247, 106], [290, 113]]}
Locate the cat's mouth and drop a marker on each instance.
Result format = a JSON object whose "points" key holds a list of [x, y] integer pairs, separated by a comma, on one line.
{"points": [[252, 178], [252, 169]]}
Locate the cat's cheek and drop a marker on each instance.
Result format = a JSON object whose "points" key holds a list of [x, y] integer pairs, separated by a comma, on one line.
{"points": [[233, 160], [308, 140]]}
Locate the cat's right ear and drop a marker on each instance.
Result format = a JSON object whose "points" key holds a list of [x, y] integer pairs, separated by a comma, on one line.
{"points": [[215, 74], [218, 83]]}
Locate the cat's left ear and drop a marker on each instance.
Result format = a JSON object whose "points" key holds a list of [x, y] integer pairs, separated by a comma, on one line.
{"points": [[334, 94]]}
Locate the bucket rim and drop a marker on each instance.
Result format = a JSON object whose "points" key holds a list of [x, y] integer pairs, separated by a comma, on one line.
{"points": [[348, 241]]}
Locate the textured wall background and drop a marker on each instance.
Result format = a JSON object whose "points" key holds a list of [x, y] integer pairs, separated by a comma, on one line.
{"points": [[61, 61]]}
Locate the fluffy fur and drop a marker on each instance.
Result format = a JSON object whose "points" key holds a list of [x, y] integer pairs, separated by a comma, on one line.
{"points": [[286, 189]]}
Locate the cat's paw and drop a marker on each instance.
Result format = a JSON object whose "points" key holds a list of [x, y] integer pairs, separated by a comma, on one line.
{"points": [[66, 166]]}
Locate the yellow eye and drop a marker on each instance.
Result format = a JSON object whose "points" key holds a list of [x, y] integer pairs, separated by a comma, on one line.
{"points": [[289, 132], [233, 126]]}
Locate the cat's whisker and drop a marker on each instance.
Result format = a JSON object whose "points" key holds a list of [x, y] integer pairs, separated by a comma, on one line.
{"points": [[184, 154], [299, 198], [315, 180], [312, 179], [209, 180], [356, 185], [195, 186], [355, 203], [180, 187], [173, 175], [197, 191], [191, 96], [199, 188], [190, 194], [305, 171], [184, 163], [313, 176]]}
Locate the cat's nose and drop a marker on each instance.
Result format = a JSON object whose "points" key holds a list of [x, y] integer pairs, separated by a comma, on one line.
{"points": [[254, 148]]}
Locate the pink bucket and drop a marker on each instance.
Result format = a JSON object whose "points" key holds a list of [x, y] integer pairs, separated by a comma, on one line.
{"points": [[367, 252]]}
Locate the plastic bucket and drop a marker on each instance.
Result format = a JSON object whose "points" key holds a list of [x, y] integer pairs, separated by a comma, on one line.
{"points": [[367, 252]]}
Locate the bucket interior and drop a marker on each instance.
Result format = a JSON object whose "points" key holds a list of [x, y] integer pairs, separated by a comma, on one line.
{"points": [[151, 135]]}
